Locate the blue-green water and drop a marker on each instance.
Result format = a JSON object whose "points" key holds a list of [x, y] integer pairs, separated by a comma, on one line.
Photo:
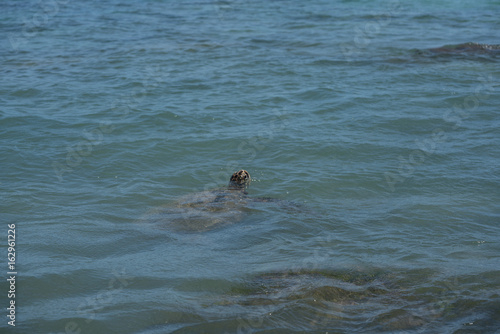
{"points": [[384, 151]]}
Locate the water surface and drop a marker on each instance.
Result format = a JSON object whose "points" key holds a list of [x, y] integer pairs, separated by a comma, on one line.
{"points": [[363, 116]]}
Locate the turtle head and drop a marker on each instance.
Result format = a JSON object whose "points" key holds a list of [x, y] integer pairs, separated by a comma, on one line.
{"points": [[240, 180]]}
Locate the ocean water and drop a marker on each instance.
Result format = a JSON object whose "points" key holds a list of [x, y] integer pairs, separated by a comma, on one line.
{"points": [[372, 124]]}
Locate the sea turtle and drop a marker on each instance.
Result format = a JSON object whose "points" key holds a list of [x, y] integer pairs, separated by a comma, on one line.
{"points": [[467, 50], [209, 209]]}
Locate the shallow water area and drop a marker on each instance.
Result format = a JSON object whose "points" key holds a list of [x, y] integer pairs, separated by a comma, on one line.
{"points": [[370, 130]]}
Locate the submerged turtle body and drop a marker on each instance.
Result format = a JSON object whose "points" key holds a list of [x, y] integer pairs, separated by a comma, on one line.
{"points": [[216, 199], [211, 209], [465, 48], [461, 51], [208, 209]]}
